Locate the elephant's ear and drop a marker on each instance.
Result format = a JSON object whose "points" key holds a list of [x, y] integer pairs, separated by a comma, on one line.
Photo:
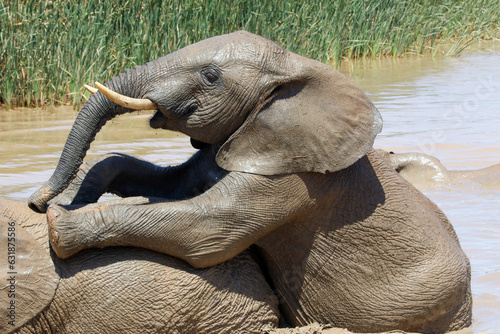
{"points": [[319, 122], [28, 280]]}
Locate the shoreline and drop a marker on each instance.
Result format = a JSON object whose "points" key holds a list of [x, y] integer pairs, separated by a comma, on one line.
{"points": [[349, 66]]}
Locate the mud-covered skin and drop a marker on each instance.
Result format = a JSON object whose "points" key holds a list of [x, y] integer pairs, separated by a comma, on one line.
{"points": [[132, 290], [286, 164], [382, 230]]}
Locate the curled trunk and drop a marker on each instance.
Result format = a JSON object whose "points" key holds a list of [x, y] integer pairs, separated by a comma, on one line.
{"points": [[96, 112]]}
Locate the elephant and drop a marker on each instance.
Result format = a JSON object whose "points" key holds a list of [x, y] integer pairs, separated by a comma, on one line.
{"points": [[286, 167], [123, 289], [424, 171]]}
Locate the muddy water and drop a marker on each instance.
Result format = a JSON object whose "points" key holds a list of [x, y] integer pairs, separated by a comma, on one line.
{"points": [[447, 107], [31, 141]]}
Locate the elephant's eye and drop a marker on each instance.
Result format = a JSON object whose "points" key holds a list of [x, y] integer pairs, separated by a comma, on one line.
{"points": [[211, 75]]}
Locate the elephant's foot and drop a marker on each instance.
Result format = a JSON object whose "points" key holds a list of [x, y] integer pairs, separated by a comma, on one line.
{"points": [[66, 232]]}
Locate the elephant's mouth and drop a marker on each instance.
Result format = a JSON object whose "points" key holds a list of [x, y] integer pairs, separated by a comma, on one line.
{"points": [[158, 121]]}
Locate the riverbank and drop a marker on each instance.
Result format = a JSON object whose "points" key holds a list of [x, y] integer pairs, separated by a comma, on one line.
{"points": [[51, 48]]}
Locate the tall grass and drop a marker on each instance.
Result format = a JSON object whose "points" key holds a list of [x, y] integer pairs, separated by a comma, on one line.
{"points": [[49, 49]]}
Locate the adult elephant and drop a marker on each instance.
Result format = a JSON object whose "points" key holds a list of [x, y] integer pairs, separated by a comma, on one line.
{"points": [[122, 289], [286, 164]]}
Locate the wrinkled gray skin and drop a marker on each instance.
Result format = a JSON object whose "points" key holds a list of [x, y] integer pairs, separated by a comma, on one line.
{"points": [[424, 171], [133, 290], [286, 164]]}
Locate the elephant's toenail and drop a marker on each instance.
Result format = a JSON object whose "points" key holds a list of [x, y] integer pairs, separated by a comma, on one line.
{"points": [[55, 236], [52, 214]]}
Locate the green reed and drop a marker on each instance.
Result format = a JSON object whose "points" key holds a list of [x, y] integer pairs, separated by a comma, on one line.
{"points": [[49, 49]]}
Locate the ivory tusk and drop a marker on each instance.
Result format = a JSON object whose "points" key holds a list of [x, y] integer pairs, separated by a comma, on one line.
{"points": [[125, 101], [91, 89]]}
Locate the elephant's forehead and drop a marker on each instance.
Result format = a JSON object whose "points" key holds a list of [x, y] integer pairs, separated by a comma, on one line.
{"points": [[239, 46]]}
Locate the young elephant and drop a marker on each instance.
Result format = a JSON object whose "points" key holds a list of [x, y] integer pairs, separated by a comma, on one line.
{"points": [[122, 290], [286, 164]]}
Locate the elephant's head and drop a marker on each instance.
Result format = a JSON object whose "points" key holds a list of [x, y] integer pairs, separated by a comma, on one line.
{"points": [[272, 111]]}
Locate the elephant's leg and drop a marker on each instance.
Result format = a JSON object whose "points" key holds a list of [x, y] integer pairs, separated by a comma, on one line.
{"points": [[92, 180], [205, 230], [127, 176]]}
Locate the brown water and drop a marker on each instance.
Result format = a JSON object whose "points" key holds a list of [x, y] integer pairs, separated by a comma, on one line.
{"points": [[447, 107]]}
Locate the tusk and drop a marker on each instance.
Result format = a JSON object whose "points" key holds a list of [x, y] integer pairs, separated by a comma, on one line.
{"points": [[125, 101], [91, 89]]}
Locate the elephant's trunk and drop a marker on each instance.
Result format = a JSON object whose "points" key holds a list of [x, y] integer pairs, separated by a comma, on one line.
{"points": [[96, 112]]}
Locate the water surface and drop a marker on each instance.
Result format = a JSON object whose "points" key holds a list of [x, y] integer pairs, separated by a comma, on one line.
{"points": [[447, 107]]}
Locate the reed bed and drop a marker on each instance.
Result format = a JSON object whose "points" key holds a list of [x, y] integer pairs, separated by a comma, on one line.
{"points": [[49, 49]]}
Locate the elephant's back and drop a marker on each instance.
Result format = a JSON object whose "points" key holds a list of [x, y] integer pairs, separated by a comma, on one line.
{"points": [[124, 289]]}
